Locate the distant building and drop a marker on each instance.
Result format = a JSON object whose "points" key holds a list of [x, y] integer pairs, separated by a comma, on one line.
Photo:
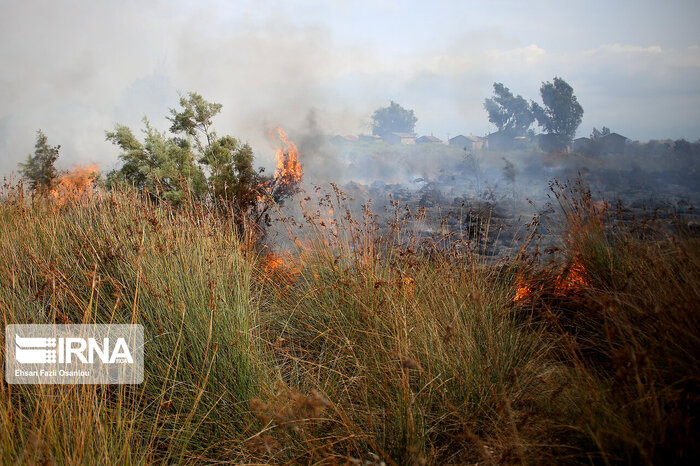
{"points": [[368, 138], [520, 142], [428, 140], [549, 143], [582, 145], [340, 138], [612, 143], [468, 142], [400, 138], [506, 140]]}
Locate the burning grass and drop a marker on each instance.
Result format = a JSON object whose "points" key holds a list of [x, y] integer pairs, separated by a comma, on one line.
{"points": [[74, 185], [354, 348]]}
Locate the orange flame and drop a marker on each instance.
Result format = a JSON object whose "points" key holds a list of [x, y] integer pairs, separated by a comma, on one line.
{"points": [[272, 262], [573, 279], [275, 265], [570, 281], [75, 185], [522, 292], [288, 169]]}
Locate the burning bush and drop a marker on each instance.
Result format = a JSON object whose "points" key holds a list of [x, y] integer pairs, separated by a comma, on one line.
{"points": [[195, 162]]}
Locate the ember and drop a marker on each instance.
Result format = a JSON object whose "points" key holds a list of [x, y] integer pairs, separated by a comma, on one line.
{"points": [[572, 279], [522, 292]]}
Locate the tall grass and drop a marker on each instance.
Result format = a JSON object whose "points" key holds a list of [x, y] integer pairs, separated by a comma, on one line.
{"points": [[361, 348], [119, 259]]}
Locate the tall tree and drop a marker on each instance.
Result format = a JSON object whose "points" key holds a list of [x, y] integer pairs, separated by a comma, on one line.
{"points": [[511, 114], [561, 114], [393, 119], [40, 168]]}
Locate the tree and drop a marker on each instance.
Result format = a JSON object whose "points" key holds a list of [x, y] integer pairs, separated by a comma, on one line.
{"points": [[233, 178], [233, 181], [511, 114], [393, 119], [509, 173], [597, 134], [39, 168], [159, 165], [217, 170], [194, 119], [561, 114]]}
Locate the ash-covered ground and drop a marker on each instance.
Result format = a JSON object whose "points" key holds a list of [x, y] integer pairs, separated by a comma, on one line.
{"points": [[490, 197]]}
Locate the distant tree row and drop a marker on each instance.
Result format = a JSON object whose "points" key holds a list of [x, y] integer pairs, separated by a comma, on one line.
{"points": [[559, 115]]}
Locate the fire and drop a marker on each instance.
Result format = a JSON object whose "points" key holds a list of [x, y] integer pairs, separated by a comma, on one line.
{"points": [[522, 292], [573, 279], [288, 170], [75, 185], [276, 265], [273, 262]]}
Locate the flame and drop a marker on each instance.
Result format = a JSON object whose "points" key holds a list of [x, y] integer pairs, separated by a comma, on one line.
{"points": [[276, 265], [272, 262], [288, 169], [572, 279], [522, 292], [75, 185]]}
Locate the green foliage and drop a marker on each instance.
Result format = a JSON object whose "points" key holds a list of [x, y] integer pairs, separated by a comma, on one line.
{"points": [[393, 119], [158, 165], [39, 168], [511, 114], [233, 177], [195, 119], [561, 114], [194, 159]]}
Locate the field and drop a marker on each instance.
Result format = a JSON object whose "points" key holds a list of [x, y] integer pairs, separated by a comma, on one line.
{"points": [[356, 348]]}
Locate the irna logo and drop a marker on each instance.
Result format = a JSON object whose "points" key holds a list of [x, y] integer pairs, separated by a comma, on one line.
{"points": [[33, 350], [74, 354]]}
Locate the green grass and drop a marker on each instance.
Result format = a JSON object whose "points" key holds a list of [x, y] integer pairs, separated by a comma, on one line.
{"points": [[359, 349]]}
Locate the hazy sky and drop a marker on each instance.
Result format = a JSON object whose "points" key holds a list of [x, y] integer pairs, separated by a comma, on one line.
{"points": [[75, 68]]}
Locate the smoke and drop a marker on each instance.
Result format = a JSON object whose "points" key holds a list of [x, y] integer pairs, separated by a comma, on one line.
{"points": [[80, 69], [321, 161], [74, 69]]}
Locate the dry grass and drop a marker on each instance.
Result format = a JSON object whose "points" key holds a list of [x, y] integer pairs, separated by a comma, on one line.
{"points": [[359, 349]]}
